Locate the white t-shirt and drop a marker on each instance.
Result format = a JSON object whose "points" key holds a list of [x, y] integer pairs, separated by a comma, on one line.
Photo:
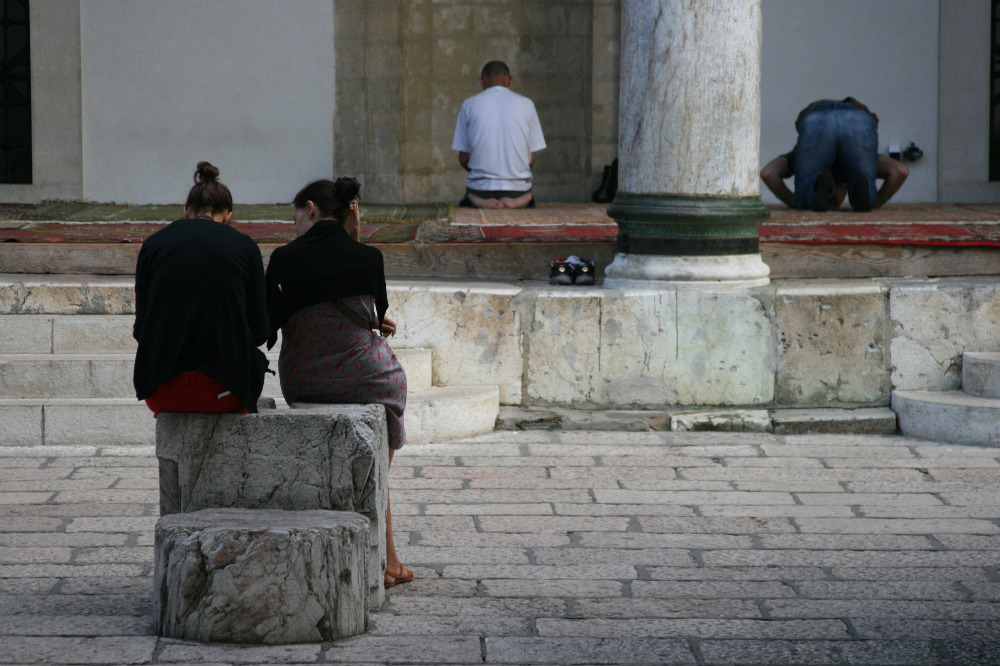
{"points": [[499, 129]]}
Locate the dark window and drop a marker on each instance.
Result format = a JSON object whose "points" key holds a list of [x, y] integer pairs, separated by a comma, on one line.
{"points": [[995, 92], [15, 93]]}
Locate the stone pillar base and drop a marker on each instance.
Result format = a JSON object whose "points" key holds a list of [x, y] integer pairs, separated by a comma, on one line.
{"points": [[629, 271]]}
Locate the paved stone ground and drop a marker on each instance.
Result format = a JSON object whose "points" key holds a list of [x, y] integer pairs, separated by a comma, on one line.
{"points": [[567, 548]]}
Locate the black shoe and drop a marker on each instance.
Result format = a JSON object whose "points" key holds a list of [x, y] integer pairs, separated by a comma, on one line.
{"points": [[609, 184], [861, 198], [560, 272], [823, 192], [583, 273]]}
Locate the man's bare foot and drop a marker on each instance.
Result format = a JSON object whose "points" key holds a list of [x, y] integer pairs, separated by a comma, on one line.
{"points": [[518, 202], [480, 202]]}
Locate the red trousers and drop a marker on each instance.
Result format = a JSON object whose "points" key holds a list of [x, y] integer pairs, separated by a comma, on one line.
{"points": [[194, 392]]}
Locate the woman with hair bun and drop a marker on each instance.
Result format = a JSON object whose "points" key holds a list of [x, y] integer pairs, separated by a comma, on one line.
{"points": [[326, 293], [200, 309]]}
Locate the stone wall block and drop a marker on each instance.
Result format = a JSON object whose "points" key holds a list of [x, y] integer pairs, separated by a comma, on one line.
{"points": [[115, 297], [563, 355], [271, 577], [332, 457], [455, 19], [833, 346], [934, 322], [638, 353], [724, 348], [475, 333], [87, 334], [25, 334], [494, 20], [21, 425]]}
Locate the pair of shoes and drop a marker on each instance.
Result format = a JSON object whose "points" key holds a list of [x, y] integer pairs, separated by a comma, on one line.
{"points": [[393, 579], [861, 199], [823, 192], [571, 270]]}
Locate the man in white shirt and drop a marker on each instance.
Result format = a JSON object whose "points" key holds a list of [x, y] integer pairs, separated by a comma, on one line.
{"points": [[496, 136]]}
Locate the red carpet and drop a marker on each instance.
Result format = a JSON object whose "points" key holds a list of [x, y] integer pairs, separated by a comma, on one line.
{"points": [[958, 225]]}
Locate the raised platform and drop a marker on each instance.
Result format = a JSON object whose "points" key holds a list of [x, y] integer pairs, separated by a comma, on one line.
{"points": [[439, 240]]}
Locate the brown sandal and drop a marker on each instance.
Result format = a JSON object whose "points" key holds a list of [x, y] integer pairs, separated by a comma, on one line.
{"points": [[392, 579]]}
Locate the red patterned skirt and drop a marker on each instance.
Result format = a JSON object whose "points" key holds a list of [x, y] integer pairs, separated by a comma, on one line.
{"points": [[327, 358]]}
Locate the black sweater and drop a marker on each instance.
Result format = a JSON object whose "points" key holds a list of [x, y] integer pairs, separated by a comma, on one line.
{"points": [[323, 264], [200, 306]]}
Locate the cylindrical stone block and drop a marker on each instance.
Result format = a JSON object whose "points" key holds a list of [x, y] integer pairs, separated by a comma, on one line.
{"points": [[261, 576]]}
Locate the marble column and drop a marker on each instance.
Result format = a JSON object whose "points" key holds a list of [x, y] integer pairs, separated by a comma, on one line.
{"points": [[688, 206]]}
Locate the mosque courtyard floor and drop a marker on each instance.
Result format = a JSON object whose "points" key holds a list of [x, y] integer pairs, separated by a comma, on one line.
{"points": [[566, 547]]}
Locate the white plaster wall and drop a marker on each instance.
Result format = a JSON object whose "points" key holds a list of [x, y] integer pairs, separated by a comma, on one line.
{"points": [[244, 84], [883, 52], [964, 99]]}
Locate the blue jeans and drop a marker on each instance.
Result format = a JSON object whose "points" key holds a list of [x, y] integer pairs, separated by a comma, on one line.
{"points": [[839, 138]]}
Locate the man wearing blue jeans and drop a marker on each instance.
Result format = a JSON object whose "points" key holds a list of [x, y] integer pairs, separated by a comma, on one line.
{"points": [[838, 143]]}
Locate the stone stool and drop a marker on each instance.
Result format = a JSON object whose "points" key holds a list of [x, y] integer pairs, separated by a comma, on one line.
{"points": [[261, 576], [334, 458]]}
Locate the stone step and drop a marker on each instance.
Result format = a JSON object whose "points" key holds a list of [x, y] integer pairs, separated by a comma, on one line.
{"points": [[109, 375], [948, 416], [449, 412], [95, 335], [981, 374], [862, 421], [443, 412], [66, 376], [66, 334]]}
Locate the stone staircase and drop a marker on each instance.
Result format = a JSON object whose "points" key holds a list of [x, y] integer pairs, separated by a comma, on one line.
{"points": [[67, 380], [968, 416]]}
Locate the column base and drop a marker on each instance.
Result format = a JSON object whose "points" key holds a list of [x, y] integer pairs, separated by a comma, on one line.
{"points": [[629, 271]]}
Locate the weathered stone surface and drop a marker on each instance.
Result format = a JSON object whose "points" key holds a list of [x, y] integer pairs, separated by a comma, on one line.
{"points": [[724, 349], [981, 374], [87, 334], [934, 321], [333, 458], [273, 577], [25, 334], [948, 416], [98, 421], [638, 351], [66, 294], [564, 348], [865, 421], [740, 420], [473, 331], [21, 425], [65, 375], [832, 345], [649, 348]]}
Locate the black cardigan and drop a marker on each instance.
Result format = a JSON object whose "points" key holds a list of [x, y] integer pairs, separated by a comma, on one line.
{"points": [[200, 306], [323, 264]]}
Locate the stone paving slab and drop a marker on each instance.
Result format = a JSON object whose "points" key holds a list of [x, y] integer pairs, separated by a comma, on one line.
{"points": [[566, 548]]}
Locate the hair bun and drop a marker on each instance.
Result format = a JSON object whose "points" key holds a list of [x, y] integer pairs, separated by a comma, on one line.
{"points": [[346, 189], [206, 173]]}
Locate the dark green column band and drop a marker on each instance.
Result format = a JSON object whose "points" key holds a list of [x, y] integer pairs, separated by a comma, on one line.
{"points": [[676, 225]]}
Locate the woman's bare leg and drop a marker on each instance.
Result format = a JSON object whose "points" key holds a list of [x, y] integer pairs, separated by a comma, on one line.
{"points": [[392, 563]]}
